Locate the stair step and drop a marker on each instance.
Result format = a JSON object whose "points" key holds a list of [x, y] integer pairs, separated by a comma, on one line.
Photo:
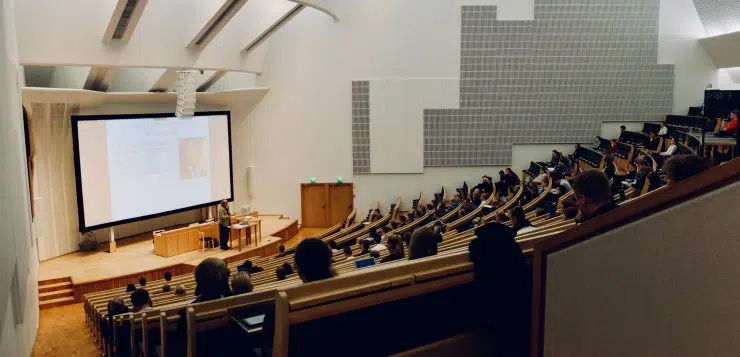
{"points": [[55, 280], [56, 294], [54, 287], [67, 300]]}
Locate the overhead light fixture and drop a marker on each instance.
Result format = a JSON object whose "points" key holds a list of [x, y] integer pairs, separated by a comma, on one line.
{"points": [[185, 88]]}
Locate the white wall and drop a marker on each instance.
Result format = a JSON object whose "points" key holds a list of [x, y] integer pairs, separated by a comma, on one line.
{"points": [[680, 29], [729, 79], [302, 128], [642, 291], [16, 238]]}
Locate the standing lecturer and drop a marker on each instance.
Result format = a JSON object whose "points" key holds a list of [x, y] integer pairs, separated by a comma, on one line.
{"points": [[224, 218]]}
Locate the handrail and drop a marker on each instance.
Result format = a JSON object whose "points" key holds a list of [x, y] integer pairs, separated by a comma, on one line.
{"points": [[536, 201], [508, 205], [710, 180], [470, 215]]}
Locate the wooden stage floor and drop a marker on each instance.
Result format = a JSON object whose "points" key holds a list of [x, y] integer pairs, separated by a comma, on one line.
{"points": [[136, 254]]}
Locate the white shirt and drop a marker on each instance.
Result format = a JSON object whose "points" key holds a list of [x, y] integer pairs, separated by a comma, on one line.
{"points": [[539, 178], [663, 131], [378, 248], [565, 184], [525, 230], [671, 150]]}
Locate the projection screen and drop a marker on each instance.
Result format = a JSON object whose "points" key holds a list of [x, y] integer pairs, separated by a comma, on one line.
{"points": [[134, 167]]}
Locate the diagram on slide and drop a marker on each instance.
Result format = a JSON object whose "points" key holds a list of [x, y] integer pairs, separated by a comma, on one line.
{"points": [[194, 158]]}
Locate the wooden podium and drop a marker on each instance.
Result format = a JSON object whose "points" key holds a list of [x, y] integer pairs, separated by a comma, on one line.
{"points": [[183, 240]]}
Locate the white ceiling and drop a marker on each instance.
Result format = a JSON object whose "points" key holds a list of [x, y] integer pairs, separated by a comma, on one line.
{"points": [[719, 16]]}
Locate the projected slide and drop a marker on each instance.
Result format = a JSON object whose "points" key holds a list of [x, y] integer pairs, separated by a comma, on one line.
{"points": [[131, 168]]}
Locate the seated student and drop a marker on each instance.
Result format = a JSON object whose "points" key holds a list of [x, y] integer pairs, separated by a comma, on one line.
{"points": [[670, 151], [249, 267], [682, 167], [556, 156], [333, 246], [423, 243], [651, 142], [140, 300], [402, 220], [348, 253], [610, 169], [612, 147], [281, 251], [378, 246], [486, 185], [375, 215], [365, 244], [288, 268], [512, 178], [456, 200], [142, 281], [519, 221], [576, 151], [211, 280], [643, 169], [622, 129], [130, 288], [280, 273], [241, 283], [313, 260], [663, 129], [395, 249], [502, 185], [593, 195], [483, 199], [476, 198], [167, 278], [731, 128], [407, 238], [541, 177], [502, 283], [570, 212], [180, 290], [116, 306]]}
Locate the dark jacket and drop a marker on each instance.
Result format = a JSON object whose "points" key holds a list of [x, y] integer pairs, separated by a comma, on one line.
{"points": [[503, 280], [602, 210]]}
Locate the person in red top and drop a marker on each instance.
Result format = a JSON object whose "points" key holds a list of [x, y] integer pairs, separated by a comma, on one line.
{"points": [[612, 147], [731, 128]]}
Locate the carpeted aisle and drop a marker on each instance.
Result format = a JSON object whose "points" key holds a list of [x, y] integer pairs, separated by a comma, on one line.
{"points": [[62, 332]]}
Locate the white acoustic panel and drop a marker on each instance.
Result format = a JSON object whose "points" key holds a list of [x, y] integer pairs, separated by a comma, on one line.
{"points": [[397, 120]]}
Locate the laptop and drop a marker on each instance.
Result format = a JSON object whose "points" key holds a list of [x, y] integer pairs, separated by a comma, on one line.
{"points": [[364, 263]]}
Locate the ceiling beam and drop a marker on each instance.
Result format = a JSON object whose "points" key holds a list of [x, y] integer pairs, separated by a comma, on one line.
{"points": [[210, 81], [123, 22], [99, 79], [165, 81], [217, 22], [273, 28]]}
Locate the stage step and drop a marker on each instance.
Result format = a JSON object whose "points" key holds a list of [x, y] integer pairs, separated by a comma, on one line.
{"points": [[54, 287], [56, 302], [56, 294], [55, 280]]}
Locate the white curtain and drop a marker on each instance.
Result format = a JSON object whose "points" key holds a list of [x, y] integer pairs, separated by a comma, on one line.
{"points": [[55, 199]]}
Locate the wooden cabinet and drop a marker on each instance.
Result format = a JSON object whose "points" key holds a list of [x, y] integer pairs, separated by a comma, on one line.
{"points": [[325, 204]]}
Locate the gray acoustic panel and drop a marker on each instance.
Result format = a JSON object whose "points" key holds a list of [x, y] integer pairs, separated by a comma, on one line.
{"points": [[361, 126], [719, 16], [551, 80]]}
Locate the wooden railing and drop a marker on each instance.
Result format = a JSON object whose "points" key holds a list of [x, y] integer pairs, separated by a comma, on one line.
{"points": [[659, 200]]}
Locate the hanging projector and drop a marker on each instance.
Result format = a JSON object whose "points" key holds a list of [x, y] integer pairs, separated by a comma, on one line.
{"points": [[185, 88]]}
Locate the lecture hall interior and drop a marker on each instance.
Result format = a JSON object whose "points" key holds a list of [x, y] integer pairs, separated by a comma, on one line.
{"points": [[539, 178]]}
